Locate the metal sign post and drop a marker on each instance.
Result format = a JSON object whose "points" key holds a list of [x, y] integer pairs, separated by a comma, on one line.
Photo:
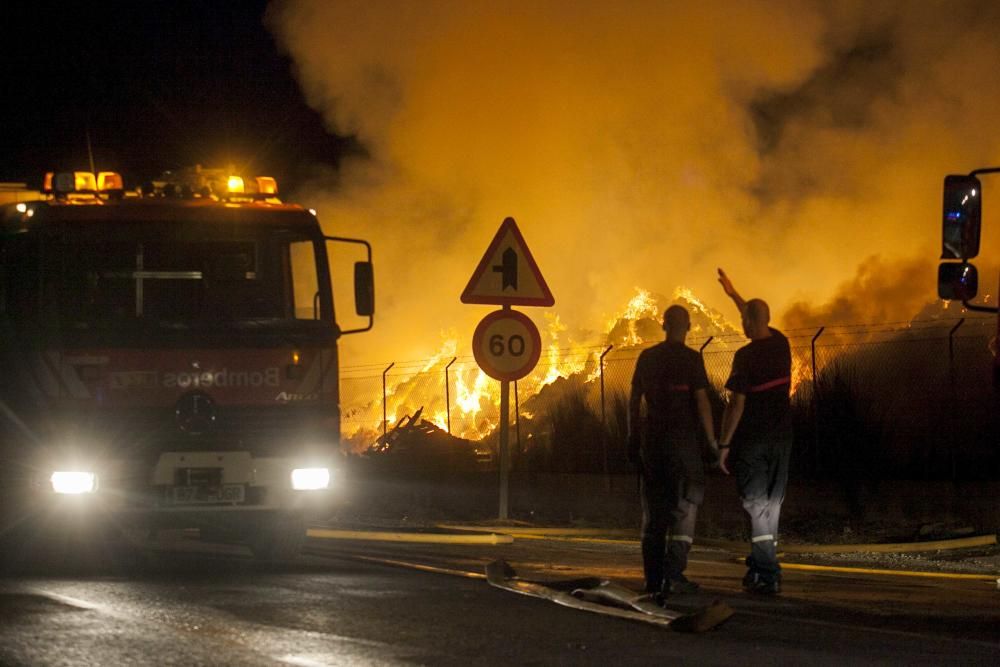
{"points": [[504, 447], [506, 343]]}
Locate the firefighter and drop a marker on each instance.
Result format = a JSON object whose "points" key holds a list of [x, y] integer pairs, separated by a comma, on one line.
{"points": [[672, 379], [757, 426]]}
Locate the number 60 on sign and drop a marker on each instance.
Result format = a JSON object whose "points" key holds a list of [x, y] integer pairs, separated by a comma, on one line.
{"points": [[506, 345]]}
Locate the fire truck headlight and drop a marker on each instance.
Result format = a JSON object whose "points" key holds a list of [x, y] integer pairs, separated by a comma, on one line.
{"points": [[73, 482], [310, 479]]}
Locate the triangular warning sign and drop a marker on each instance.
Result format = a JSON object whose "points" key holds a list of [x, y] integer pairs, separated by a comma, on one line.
{"points": [[507, 273]]}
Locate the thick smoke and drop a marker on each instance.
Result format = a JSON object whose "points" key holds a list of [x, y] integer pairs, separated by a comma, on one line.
{"points": [[644, 144], [877, 293]]}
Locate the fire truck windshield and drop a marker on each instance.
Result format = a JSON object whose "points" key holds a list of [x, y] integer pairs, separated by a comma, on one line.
{"points": [[155, 277]]}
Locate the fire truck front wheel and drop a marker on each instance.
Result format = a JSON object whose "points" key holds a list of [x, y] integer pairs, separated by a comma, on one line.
{"points": [[278, 538]]}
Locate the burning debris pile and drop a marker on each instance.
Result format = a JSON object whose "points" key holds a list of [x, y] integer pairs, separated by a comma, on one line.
{"points": [[569, 372], [415, 444]]}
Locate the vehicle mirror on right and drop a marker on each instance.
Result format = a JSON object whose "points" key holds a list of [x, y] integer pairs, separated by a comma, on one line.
{"points": [[957, 282], [961, 217]]}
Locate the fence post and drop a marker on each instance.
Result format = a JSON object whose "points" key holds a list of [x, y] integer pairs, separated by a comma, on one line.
{"points": [[447, 393], [951, 346], [701, 350], [604, 423], [953, 381], [815, 403], [384, 422]]}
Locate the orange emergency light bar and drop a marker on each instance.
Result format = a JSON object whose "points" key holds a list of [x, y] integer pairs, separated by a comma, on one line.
{"points": [[67, 182], [234, 185], [110, 180], [266, 185], [84, 181], [257, 187], [64, 182], [186, 183]]}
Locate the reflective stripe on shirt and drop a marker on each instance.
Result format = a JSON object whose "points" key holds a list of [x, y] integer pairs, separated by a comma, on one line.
{"points": [[769, 385]]}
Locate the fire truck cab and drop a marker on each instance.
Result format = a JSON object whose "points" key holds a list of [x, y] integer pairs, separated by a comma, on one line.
{"points": [[169, 360]]}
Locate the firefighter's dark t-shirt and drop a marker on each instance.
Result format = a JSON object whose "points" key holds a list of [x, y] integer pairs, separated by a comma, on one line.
{"points": [[762, 371], [668, 374]]}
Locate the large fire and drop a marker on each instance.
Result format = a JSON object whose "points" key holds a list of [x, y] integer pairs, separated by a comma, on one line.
{"points": [[469, 409], [471, 403]]}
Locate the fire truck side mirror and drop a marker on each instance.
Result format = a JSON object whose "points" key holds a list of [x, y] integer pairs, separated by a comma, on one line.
{"points": [[364, 289], [364, 283], [958, 282], [961, 217]]}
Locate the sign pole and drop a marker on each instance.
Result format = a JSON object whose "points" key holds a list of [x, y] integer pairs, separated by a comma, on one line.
{"points": [[504, 446], [504, 449]]}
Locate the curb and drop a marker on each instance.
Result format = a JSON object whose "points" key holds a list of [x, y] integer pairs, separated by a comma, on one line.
{"points": [[590, 535], [398, 536], [894, 573], [535, 531], [898, 547]]}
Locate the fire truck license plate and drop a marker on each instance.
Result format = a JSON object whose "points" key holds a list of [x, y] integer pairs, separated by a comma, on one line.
{"points": [[227, 493]]}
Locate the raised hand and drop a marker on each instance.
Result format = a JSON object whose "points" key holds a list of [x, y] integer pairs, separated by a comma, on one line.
{"points": [[727, 284]]}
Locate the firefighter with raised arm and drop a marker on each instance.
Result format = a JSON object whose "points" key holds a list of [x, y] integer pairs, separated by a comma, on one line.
{"points": [[756, 435], [672, 379]]}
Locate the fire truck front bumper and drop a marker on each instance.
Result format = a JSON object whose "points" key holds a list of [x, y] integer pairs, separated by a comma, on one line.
{"points": [[182, 490]]}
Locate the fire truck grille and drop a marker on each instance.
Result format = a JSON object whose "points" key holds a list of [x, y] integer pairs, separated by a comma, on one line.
{"points": [[261, 430]]}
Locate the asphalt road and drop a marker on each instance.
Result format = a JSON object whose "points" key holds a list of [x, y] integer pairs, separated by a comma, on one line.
{"points": [[344, 605]]}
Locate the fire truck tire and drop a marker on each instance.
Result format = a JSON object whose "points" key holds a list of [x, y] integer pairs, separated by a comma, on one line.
{"points": [[279, 539]]}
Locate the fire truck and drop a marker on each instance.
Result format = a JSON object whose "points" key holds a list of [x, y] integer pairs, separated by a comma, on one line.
{"points": [[169, 359]]}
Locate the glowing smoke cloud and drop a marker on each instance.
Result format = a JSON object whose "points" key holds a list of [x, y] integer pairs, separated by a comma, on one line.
{"points": [[643, 143]]}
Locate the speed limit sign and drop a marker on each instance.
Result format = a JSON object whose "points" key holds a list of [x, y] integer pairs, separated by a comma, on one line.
{"points": [[506, 345]]}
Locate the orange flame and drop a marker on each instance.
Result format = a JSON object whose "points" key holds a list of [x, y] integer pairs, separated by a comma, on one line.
{"points": [[640, 306], [720, 323]]}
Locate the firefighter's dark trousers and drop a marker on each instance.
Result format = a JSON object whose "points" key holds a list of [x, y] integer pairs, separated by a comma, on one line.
{"points": [[760, 466], [670, 499]]}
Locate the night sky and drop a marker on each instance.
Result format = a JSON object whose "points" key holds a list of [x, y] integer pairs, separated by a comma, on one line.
{"points": [[157, 85]]}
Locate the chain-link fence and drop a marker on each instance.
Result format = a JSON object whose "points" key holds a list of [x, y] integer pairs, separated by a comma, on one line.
{"points": [[898, 399]]}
